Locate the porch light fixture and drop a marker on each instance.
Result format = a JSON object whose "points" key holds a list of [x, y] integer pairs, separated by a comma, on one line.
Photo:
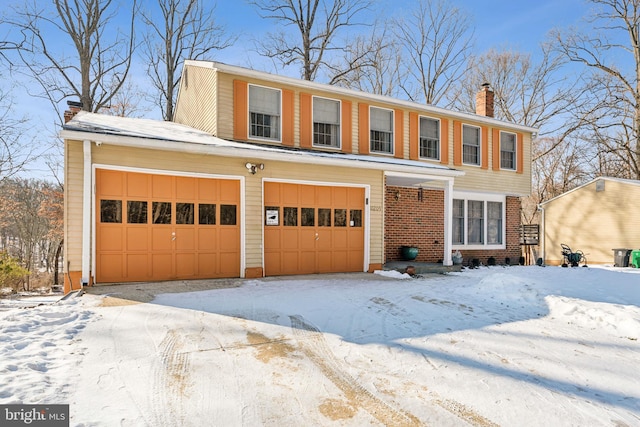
{"points": [[253, 168], [397, 195]]}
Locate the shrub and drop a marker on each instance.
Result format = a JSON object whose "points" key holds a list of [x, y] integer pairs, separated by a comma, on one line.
{"points": [[11, 272]]}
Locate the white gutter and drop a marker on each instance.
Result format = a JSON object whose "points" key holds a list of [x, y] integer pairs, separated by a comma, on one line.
{"points": [[86, 213], [267, 153]]}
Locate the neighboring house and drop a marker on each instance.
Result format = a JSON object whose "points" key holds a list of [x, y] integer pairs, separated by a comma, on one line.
{"points": [[595, 218], [286, 176]]}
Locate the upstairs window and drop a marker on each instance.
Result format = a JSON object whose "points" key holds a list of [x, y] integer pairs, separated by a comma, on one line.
{"points": [[264, 113], [429, 138], [470, 145], [326, 122], [507, 150], [381, 125]]}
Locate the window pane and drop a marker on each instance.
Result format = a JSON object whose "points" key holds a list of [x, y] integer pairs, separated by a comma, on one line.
{"points": [[264, 109], [340, 217], [458, 222], [326, 111], [308, 217], [494, 222], [185, 213], [381, 130], [355, 219], [326, 134], [136, 212], [291, 217], [470, 145], [381, 141], [324, 217], [111, 211], [207, 214], [227, 214], [475, 227], [161, 212], [507, 150]]}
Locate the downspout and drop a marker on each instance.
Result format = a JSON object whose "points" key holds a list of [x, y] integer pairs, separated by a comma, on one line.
{"points": [[541, 236], [86, 213], [448, 222]]}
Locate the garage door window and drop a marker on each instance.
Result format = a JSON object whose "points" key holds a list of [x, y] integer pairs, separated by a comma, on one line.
{"points": [[308, 217], [324, 217], [227, 214], [136, 212], [111, 211], [291, 217], [356, 218], [206, 214], [161, 212], [340, 218], [184, 213]]}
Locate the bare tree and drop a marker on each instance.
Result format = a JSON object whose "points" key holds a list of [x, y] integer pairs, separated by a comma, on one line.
{"points": [[101, 57], [317, 24], [15, 150], [187, 29], [436, 39], [610, 50], [373, 64]]}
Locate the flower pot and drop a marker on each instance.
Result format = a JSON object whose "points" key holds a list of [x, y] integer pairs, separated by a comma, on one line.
{"points": [[409, 252]]}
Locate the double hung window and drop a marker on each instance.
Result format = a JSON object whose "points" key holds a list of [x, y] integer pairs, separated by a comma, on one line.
{"points": [[264, 113], [381, 126], [507, 150], [326, 122], [429, 138], [470, 145], [478, 221]]}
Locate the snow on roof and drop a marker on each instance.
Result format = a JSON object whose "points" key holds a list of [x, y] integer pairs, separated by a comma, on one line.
{"points": [[121, 130]]}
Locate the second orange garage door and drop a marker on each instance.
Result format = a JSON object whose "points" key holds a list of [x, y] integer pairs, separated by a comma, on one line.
{"points": [[313, 229], [159, 227]]}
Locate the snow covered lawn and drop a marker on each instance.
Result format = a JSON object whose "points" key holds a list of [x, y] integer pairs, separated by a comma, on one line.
{"points": [[526, 346]]}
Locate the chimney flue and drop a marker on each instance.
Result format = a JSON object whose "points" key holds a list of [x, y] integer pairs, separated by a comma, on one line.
{"points": [[74, 108], [484, 101]]}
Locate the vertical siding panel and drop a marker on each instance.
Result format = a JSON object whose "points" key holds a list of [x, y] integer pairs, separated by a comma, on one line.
{"points": [[444, 141], [240, 110], [519, 153], [485, 147], [347, 125], [457, 143], [306, 131], [495, 143], [398, 142], [363, 134], [288, 115], [414, 140]]}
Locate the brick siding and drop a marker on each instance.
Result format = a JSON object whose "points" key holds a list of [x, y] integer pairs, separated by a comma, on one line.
{"points": [[417, 220]]}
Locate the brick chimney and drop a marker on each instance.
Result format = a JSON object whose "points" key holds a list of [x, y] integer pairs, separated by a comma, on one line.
{"points": [[74, 108], [484, 101]]}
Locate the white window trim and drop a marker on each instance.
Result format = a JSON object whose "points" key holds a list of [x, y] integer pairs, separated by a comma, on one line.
{"points": [[439, 139], [515, 152], [257, 138], [328, 147], [393, 131], [479, 164], [483, 197]]}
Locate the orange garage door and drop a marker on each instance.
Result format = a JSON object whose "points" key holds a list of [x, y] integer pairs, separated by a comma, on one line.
{"points": [[313, 229], [160, 227]]}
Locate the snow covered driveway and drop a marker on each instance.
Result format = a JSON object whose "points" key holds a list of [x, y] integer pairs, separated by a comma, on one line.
{"points": [[523, 346]]}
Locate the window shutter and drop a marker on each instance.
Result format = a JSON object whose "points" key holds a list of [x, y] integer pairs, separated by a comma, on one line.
{"points": [[240, 111], [444, 141], [484, 142], [347, 127], [457, 143], [519, 154], [288, 114], [398, 138], [363, 128], [495, 141], [306, 127], [414, 141]]}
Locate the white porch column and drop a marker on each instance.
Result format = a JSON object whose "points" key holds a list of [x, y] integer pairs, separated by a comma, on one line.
{"points": [[448, 226], [86, 213]]}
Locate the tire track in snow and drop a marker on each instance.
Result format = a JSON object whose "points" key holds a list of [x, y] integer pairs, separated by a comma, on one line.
{"points": [[314, 346], [170, 381]]}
